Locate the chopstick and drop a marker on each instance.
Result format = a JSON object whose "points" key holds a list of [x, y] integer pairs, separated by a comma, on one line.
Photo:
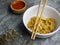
{"points": [[40, 16], [46, 1], [36, 20], [37, 24]]}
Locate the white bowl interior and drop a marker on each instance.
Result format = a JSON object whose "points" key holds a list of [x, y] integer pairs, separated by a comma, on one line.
{"points": [[48, 13]]}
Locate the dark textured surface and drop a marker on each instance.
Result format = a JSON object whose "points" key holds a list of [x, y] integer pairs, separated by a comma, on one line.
{"points": [[8, 20]]}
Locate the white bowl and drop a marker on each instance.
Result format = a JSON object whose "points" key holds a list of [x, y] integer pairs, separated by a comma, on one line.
{"points": [[49, 12]]}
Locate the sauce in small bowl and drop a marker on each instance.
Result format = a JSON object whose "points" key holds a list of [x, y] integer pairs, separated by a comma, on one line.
{"points": [[18, 6]]}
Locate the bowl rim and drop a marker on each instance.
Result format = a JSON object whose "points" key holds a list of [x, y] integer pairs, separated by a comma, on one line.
{"points": [[39, 33]]}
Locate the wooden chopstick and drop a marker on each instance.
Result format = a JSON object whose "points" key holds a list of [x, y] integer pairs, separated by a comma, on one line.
{"points": [[40, 16], [35, 31], [46, 1]]}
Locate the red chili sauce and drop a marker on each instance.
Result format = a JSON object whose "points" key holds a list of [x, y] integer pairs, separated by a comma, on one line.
{"points": [[18, 5]]}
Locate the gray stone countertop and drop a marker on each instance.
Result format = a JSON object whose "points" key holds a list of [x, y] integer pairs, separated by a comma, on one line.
{"points": [[8, 20]]}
